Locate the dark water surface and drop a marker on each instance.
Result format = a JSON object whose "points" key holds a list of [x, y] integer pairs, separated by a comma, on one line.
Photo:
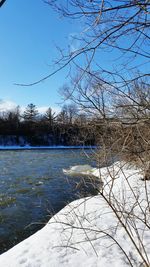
{"points": [[33, 187]]}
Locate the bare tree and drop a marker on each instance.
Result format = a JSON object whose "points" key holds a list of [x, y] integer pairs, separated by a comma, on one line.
{"points": [[2, 2], [118, 28], [116, 96]]}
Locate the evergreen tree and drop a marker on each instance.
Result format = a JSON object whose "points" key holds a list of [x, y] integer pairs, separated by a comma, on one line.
{"points": [[50, 116], [31, 113]]}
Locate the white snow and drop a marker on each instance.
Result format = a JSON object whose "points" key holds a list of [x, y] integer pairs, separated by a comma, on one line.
{"points": [[28, 147], [80, 169], [88, 233]]}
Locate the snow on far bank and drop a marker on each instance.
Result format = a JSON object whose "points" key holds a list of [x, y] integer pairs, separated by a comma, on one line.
{"points": [[87, 232], [27, 147]]}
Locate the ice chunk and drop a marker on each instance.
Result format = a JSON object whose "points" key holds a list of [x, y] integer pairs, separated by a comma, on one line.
{"points": [[79, 169]]}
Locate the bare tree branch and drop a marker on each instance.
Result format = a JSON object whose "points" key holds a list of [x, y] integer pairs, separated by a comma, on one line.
{"points": [[2, 2]]}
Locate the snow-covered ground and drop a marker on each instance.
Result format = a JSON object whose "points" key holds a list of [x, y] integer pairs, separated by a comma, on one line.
{"points": [[91, 232]]}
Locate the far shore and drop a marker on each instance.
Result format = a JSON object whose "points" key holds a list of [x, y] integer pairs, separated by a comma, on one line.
{"points": [[44, 147]]}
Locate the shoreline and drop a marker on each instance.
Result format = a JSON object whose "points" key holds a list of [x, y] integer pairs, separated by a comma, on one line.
{"points": [[63, 240], [3, 148]]}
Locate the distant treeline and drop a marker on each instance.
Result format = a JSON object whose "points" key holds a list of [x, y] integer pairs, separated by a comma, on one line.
{"points": [[68, 127]]}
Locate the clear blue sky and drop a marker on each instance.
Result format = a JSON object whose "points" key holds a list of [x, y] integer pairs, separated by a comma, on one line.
{"points": [[29, 31]]}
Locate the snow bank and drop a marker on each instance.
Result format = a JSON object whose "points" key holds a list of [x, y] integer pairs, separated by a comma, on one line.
{"points": [[87, 232]]}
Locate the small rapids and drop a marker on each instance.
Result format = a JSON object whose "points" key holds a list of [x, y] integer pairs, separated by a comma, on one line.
{"points": [[33, 187]]}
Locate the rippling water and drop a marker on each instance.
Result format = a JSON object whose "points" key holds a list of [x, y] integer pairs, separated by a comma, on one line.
{"points": [[33, 187]]}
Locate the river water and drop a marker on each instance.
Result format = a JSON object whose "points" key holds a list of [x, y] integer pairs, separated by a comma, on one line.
{"points": [[33, 188]]}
